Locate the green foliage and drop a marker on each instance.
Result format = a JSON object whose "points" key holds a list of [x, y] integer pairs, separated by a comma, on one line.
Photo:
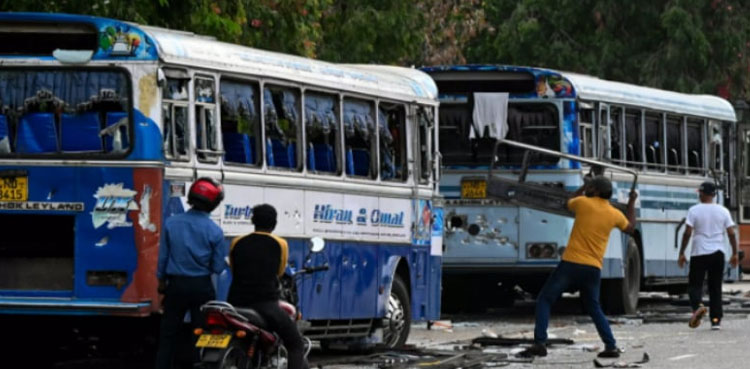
{"points": [[696, 46]]}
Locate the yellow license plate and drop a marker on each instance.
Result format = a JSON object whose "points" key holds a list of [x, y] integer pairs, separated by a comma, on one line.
{"points": [[213, 340], [14, 188], [474, 189]]}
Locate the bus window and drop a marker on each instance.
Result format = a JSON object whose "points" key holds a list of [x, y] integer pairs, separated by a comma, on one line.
{"points": [[586, 132], [175, 118], [360, 138], [532, 123], [633, 138], [48, 111], [426, 120], [322, 132], [695, 145], [615, 134], [207, 143], [281, 108], [674, 142], [654, 138], [240, 122], [392, 123]]}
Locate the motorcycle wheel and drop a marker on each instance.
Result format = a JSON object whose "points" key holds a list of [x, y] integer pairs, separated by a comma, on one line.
{"points": [[233, 358]]}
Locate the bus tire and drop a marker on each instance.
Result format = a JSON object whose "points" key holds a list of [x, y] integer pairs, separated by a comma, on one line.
{"points": [[397, 322], [620, 296]]}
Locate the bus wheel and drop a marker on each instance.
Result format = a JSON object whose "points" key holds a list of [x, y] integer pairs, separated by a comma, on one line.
{"points": [[620, 296], [397, 315]]}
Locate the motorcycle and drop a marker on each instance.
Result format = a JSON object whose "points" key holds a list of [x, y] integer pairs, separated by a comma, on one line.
{"points": [[238, 338]]}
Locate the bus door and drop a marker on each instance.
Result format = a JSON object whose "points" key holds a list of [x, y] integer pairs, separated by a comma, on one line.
{"points": [[205, 126], [602, 141], [743, 191]]}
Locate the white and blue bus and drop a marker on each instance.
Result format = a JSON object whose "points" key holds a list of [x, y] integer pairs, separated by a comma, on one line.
{"points": [[105, 124], [671, 141]]}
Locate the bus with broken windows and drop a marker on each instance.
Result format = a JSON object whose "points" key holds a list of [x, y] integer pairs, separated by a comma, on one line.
{"points": [[105, 124], [503, 236]]}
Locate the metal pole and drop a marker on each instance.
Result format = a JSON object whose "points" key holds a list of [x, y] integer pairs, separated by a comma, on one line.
{"points": [[561, 155]]}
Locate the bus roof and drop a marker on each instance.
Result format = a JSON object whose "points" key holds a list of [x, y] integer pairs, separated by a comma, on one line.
{"points": [[190, 49], [592, 88], [118, 40]]}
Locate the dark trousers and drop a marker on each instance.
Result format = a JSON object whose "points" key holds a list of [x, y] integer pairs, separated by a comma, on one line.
{"points": [[573, 276], [713, 264], [279, 322], [183, 294]]}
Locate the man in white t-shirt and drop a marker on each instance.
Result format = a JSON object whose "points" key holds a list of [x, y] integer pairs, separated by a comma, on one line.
{"points": [[708, 222]]}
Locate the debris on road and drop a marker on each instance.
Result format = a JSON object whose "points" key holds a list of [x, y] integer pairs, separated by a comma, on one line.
{"points": [[621, 364], [502, 341]]}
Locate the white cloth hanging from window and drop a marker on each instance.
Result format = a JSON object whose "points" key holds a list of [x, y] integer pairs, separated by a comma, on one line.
{"points": [[490, 110]]}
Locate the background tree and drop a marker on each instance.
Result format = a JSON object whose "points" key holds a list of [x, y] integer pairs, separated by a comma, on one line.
{"points": [[698, 46]]}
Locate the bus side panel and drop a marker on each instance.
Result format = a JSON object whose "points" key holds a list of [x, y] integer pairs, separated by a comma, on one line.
{"points": [[359, 283], [320, 294], [147, 228], [104, 240], [417, 259], [435, 283]]}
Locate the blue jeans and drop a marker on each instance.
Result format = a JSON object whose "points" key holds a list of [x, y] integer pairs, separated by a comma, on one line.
{"points": [[573, 276]]}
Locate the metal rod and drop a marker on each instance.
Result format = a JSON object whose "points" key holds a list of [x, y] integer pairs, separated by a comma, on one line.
{"points": [[561, 155]]}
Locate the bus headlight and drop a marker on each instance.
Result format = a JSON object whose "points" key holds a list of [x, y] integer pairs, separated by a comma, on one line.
{"points": [[455, 222], [541, 250]]}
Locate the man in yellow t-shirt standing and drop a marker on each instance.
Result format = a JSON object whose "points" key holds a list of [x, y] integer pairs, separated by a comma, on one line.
{"points": [[580, 268]]}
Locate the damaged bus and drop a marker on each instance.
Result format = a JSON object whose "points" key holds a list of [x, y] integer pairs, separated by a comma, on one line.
{"points": [[105, 124], [500, 236]]}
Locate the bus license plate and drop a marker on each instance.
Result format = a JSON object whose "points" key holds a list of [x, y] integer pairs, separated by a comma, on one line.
{"points": [[474, 189], [213, 340], [14, 189]]}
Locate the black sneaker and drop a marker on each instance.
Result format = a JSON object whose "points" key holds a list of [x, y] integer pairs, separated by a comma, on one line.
{"points": [[534, 350], [715, 324], [610, 353]]}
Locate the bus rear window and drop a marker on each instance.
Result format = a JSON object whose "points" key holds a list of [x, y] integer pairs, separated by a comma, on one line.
{"points": [[532, 123], [52, 112], [37, 38]]}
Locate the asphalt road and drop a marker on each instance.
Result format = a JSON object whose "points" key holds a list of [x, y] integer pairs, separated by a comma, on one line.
{"points": [[661, 331]]}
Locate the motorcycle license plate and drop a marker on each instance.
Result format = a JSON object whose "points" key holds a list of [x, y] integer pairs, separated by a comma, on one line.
{"points": [[213, 340]]}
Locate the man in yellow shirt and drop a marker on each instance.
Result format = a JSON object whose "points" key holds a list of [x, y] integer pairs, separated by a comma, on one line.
{"points": [[580, 268]]}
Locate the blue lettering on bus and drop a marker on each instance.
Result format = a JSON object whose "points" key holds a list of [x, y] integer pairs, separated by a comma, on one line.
{"points": [[238, 212], [328, 214], [378, 217], [362, 217]]}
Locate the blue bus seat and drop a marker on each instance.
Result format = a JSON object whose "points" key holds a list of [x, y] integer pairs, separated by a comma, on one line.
{"points": [[37, 133], [388, 168], [4, 134], [349, 161], [283, 155], [325, 159], [238, 148], [361, 159], [80, 132], [310, 157], [269, 153], [112, 118]]}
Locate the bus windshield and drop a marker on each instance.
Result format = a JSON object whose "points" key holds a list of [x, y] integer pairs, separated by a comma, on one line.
{"points": [[529, 122], [55, 112]]}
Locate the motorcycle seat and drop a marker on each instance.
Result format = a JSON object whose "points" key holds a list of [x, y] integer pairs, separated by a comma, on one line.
{"points": [[252, 316]]}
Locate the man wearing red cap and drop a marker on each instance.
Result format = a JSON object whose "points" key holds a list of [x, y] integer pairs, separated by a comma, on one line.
{"points": [[192, 248]]}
